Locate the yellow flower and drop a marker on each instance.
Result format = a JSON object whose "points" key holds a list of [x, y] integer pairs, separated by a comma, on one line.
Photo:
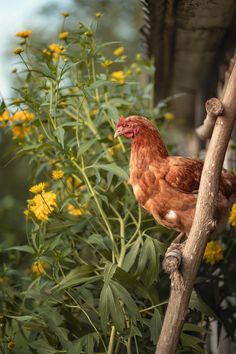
{"points": [[46, 52], [40, 138], [62, 104], [24, 34], [169, 116], [139, 71], [119, 51], [98, 14], [232, 216], [3, 280], [73, 184], [56, 50], [139, 57], [19, 131], [114, 148], [18, 50], [93, 112], [23, 116], [106, 63], [213, 252], [38, 188], [65, 14], [88, 34], [57, 174], [118, 76], [26, 213], [110, 151], [129, 72], [42, 205], [38, 268], [72, 210], [63, 35], [4, 118]]}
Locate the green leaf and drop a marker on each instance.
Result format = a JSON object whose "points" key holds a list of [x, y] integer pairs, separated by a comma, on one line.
{"points": [[115, 308], [148, 261], [54, 321], [57, 226], [85, 344], [133, 285], [78, 276], [43, 347], [188, 341], [113, 295], [112, 167], [100, 83], [21, 318], [23, 248], [99, 241], [119, 102], [86, 146], [109, 271], [75, 347], [123, 295], [30, 148], [59, 133], [104, 308], [131, 255], [44, 70], [190, 327], [2, 106], [100, 46], [196, 303], [155, 326]]}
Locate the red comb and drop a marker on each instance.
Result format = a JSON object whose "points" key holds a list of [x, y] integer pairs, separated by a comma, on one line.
{"points": [[121, 121]]}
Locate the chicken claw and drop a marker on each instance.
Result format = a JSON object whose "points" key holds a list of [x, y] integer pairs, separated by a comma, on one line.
{"points": [[172, 261]]}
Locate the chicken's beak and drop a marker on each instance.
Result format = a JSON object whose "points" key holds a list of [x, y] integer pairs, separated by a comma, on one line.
{"points": [[117, 132]]}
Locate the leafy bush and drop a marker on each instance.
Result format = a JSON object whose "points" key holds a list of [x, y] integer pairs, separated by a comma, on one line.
{"points": [[89, 278]]}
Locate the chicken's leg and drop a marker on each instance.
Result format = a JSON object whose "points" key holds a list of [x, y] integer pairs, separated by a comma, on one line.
{"points": [[173, 258]]}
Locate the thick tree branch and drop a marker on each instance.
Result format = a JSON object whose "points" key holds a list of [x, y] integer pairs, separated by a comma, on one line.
{"points": [[203, 223]]}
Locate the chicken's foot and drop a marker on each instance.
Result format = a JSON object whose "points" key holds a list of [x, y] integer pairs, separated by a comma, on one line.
{"points": [[172, 261]]}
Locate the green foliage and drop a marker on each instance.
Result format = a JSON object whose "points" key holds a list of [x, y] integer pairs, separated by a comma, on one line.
{"points": [[95, 285]]}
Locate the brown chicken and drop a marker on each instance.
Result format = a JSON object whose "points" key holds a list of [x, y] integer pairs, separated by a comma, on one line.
{"points": [[167, 186]]}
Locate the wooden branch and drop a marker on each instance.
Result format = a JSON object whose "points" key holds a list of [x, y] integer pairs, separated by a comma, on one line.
{"points": [[203, 223], [227, 75], [214, 109]]}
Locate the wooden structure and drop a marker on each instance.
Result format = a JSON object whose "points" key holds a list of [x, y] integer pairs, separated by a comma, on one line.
{"points": [[192, 42]]}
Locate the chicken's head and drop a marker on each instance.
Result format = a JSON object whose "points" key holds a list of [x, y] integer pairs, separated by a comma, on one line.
{"points": [[132, 126]]}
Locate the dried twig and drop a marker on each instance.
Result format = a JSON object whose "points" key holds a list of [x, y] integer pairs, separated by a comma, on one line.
{"points": [[203, 223]]}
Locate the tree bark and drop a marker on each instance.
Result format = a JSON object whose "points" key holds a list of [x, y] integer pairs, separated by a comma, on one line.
{"points": [[203, 223]]}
